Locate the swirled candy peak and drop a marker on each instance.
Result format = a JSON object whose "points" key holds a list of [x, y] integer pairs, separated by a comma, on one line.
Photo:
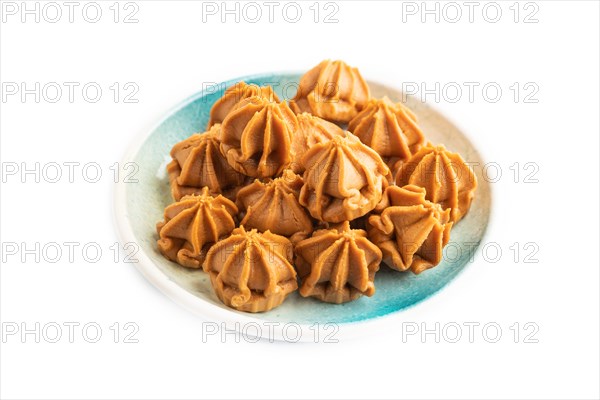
{"points": [[332, 90], [252, 271], [343, 179], [256, 137], [234, 95]]}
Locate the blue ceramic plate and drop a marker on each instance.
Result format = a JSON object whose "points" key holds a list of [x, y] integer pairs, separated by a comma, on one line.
{"points": [[140, 205]]}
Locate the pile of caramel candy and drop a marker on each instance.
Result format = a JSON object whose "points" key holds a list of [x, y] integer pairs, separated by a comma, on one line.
{"points": [[311, 195]]}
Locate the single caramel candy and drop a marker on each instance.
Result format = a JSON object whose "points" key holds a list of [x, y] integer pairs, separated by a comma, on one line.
{"points": [[197, 163], [311, 130], [446, 177], [410, 230], [388, 128], [332, 90], [192, 225], [343, 179], [234, 95], [273, 206], [337, 265], [256, 137], [252, 271]]}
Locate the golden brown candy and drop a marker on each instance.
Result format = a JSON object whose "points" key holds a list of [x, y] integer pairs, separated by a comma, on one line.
{"points": [[252, 271], [311, 130], [446, 177], [410, 231], [198, 162], [337, 265], [332, 90], [192, 225], [256, 137], [273, 206], [343, 179], [388, 128], [234, 95]]}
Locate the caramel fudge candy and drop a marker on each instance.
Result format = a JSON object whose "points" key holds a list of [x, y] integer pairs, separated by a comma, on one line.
{"points": [[343, 179], [251, 271], [410, 230], [332, 90], [192, 225], [256, 137], [337, 265]]}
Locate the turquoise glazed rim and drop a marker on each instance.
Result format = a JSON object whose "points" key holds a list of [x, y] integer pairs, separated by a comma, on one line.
{"points": [[139, 206]]}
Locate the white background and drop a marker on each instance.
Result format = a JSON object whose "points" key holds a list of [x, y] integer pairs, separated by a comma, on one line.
{"points": [[169, 54]]}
